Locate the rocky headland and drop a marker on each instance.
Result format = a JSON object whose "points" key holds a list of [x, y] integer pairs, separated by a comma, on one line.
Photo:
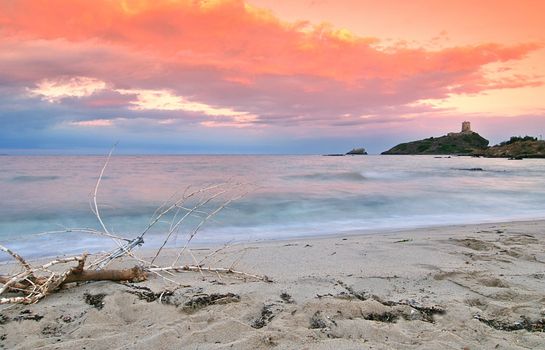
{"points": [[466, 142], [516, 147], [470, 143]]}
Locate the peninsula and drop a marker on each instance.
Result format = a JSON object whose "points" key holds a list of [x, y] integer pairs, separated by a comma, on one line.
{"points": [[466, 142]]}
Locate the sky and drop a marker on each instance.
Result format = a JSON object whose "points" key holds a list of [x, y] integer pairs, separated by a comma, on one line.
{"points": [[265, 76]]}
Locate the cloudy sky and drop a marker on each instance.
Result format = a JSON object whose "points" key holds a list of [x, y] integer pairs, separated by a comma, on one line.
{"points": [[265, 76]]}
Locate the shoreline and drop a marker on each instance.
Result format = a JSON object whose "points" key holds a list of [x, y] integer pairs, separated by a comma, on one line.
{"points": [[354, 232], [393, 231]]}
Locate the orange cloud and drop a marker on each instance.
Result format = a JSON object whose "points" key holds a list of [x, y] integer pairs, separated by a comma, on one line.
{"points": [[232, 36]]}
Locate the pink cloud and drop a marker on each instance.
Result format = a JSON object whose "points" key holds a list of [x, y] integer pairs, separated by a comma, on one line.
{"points": [[229, 60], [230, 35]]}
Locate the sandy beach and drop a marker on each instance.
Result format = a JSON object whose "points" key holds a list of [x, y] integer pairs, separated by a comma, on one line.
{"points": [[458, 287], [264, 174]]}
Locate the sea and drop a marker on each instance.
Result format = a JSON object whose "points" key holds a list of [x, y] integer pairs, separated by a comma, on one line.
{"points": [[42, 198]]}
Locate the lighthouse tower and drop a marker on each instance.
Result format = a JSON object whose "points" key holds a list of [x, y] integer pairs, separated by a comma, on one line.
{"points": [[466, 127]]}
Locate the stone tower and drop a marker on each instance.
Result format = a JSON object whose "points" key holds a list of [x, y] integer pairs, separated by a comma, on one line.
{"points": [[466, 127]]}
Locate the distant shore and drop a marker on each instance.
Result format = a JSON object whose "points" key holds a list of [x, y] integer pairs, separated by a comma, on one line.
{"points": [[466, 286]]}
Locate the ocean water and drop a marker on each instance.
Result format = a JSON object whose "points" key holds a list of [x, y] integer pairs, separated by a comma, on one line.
{"points": [[290, 196]]}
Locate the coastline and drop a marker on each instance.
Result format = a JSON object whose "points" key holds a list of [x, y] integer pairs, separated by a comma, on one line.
{"points": [[416, 229], [445, 230], [449, 287]]}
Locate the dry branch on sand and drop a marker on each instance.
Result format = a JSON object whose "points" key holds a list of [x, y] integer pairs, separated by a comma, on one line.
{"points": [[199, 206]]}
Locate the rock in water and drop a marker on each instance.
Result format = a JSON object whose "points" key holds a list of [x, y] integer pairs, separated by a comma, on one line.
{"points": [[357, 151]]}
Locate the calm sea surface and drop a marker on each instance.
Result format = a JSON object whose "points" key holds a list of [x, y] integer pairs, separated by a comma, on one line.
{"points": [[296, 195]]}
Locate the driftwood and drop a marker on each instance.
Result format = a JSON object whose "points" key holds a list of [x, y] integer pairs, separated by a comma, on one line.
{"points": [[35, 282], [135, 274]]}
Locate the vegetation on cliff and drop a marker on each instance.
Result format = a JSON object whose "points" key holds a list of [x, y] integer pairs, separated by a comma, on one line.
{"points": [[455, 143], [516, 147]]}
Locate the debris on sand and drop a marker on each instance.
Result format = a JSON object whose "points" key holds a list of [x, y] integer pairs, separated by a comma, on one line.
{"points": [[96, 300]]}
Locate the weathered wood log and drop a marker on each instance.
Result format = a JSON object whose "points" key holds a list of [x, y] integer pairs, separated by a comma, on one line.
{"points": [[135, 274]]}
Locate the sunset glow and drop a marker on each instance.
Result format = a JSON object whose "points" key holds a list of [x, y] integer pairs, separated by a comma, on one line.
{"points": [[267, 76]]}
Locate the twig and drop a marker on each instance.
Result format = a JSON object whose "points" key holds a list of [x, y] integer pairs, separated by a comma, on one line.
{"points": [[194, 268], [175, 227], [86, 230], [214, 253], [16, 257], [96, 211], [203, 221]]}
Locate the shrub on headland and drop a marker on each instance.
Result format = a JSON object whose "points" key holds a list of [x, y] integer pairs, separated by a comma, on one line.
{"points": [[515, 139]]}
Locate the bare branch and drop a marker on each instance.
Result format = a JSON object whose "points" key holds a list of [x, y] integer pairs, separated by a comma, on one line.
{"points": [[86, 230], [175, 227], [16, 257], [223, 270], [214, 253], [36, 282], [199, 226], [96, 211]]}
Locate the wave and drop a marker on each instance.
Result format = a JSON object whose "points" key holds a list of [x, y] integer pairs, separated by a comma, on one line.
{"points": [[33, 178], [480, 170], [297, 195], [346, 176], [387, 175]]}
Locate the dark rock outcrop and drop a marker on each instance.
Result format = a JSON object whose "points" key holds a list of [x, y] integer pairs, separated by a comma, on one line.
{"points": [[357, 151], [354, 152]]}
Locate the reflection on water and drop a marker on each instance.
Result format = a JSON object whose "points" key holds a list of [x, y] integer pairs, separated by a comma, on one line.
{"points": [[297, 195]]}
